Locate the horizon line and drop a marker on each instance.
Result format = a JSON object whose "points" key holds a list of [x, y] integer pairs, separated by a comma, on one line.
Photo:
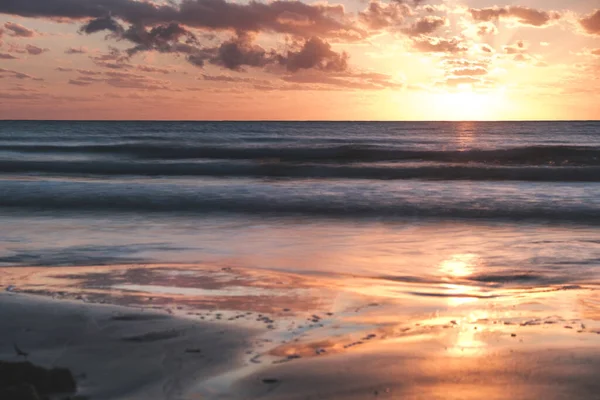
{"points": [[290, 120]]}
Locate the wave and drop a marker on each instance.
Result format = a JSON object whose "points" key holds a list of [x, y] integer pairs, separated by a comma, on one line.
{"points": [[528, 155], [307, 171], [317, 206]]}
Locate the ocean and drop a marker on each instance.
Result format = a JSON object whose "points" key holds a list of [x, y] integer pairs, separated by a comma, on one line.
{"points": [[498, 204]]}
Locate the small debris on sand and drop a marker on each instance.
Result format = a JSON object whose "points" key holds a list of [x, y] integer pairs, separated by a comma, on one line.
{"points": [[193, 350], [19, 352], [152, 337]]}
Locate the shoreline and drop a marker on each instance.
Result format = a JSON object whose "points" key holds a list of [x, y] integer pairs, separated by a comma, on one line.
{"points": [[188, 332]]}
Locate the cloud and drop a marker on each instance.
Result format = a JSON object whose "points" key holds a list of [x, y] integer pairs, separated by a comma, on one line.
{"points": [[439, 45], [240, 51], [345, 80], [591, 23], [425, 25], [6, 56], [148, 68], [63, 69], [380, 15], [454, 81], [469, 71], [486, 28], [595, 52], [317, 54], [34, 50], [278, 16], [135, 81], [523, 15], [16, 30], [7, 73], [517, 48], [74, 50], [78, 82], [523, 57], [235, 79], [167, 29], [486, 48], [88, 72]]}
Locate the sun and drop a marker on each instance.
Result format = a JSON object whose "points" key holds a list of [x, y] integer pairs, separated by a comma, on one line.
{"points": [[467, 104]]}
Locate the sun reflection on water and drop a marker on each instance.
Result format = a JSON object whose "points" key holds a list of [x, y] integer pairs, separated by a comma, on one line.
{"points": [[458, 266]]}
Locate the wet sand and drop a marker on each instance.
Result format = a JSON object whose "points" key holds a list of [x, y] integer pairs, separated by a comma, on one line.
{"points": [[213, 332]]}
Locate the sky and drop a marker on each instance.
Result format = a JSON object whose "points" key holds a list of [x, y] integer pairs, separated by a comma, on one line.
{"points": [[300, 60]]}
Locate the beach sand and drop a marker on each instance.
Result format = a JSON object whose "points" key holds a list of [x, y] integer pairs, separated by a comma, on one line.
{"points": [[207, 332]]}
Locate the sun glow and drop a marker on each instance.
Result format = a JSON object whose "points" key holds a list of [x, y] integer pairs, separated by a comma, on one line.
{"points": [[468, 104]]}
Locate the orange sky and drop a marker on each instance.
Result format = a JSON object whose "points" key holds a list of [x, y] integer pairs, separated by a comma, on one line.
{"points": [[348, 60]]}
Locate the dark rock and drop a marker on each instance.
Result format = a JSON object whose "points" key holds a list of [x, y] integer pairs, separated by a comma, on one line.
{"points": [[21, 392], [270, 381], [27, 381]]}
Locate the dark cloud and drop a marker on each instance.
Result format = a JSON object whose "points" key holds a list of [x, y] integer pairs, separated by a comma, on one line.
{"points": [[106, 23], [439, 45], [425, 25], [380, 15], [162, 38], [289, 17], [317, 54], [74, 50], [17, 30], [34, 50], [591, 23], [6, 56], [524, 15], [239, 52]]}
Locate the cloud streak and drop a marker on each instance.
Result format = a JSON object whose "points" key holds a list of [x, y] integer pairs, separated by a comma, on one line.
{"points": [[17, 30], [523, 15]]}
